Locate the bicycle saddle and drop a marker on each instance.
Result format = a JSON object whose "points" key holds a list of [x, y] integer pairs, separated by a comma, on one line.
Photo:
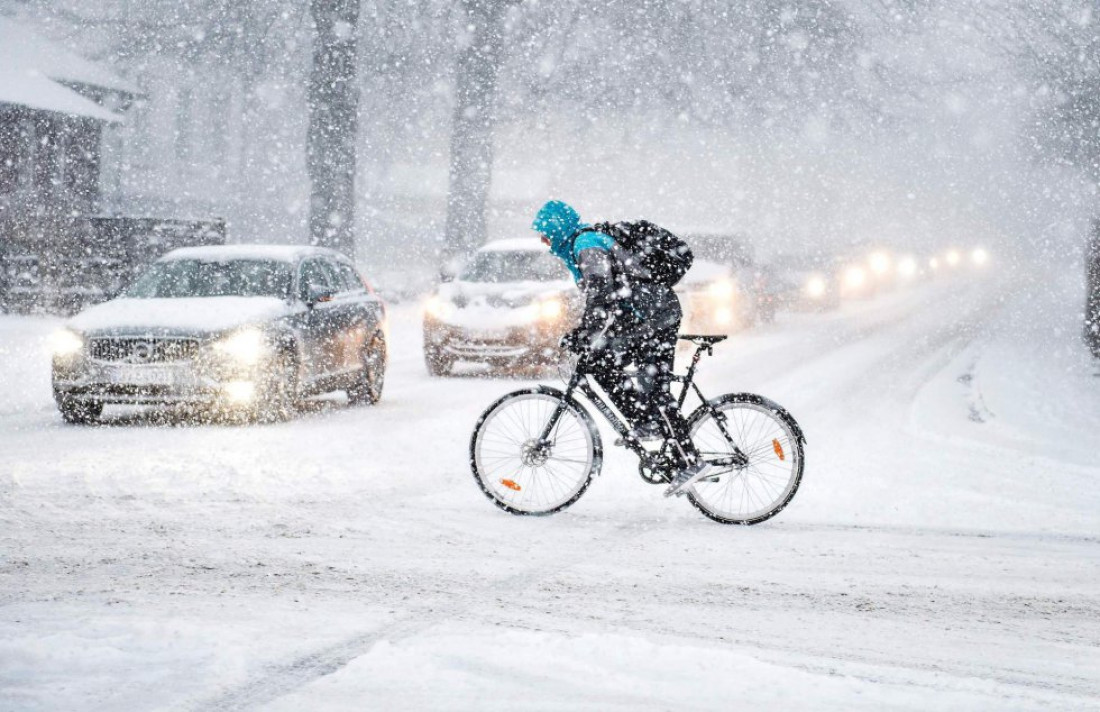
{"points": [[704, 339]]}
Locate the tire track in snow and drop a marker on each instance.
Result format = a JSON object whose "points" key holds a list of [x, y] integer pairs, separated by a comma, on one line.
{"points": [[280, 680]]}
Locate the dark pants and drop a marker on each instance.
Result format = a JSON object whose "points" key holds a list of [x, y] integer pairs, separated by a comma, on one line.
{"points": [[643, 395]]}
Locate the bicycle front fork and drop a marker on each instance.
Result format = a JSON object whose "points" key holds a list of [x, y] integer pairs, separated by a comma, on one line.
{"points": [[544, 437]]}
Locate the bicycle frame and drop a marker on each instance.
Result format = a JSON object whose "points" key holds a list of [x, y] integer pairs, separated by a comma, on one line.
{"points": [[579, 382]]}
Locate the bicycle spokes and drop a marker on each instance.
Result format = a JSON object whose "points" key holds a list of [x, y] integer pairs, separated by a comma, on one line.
{"points": [[757, 459], [533, 452]]}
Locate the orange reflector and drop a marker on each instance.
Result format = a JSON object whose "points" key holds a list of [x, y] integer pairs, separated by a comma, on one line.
{"points": [[778, 449], [511, 484]]}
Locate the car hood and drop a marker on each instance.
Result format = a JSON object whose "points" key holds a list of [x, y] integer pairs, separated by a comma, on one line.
{"points": [[501, 295], [194, 316], [481, 304]]}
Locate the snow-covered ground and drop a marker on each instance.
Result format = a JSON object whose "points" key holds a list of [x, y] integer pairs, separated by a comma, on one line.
{"points": [[943, 552]]}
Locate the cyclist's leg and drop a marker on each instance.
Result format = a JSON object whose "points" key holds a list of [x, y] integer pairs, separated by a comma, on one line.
{"points": [[606, 368], [658, 353]]}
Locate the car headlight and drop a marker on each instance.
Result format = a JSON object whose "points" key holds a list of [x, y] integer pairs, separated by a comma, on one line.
{"points": [[439, 307], [880, 263], [855, 277], [979, 256], [722, 289], [247, 347], [551, 309], [65, 342], [816, 287]]}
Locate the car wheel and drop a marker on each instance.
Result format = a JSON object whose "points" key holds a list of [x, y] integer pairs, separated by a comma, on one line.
{"points": [[368, 386], [438, 364], [80, 412]]}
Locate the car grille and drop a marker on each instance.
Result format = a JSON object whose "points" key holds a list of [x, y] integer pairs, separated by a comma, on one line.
{"points": [[139, 350]]}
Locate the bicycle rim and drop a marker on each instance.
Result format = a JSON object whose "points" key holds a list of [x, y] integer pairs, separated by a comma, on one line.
{"points": [[523, 482], [760, 489]]}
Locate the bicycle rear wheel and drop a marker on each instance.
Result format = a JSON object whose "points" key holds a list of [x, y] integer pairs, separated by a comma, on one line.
{"points": [[771, 441], [517, 473]]}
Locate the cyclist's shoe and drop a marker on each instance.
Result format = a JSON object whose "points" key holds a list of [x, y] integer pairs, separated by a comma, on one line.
{"points": [[688, 476]]}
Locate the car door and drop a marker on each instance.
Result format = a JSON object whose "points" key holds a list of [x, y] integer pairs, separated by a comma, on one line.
{"points": [[364, 311], [347, 328], [321, 323]]}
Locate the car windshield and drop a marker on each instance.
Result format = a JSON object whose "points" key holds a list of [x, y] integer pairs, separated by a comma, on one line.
{"points": [[514, 266], [209, 278]]}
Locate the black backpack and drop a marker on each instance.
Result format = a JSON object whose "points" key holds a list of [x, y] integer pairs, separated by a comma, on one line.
{"points": [[653, 254]]}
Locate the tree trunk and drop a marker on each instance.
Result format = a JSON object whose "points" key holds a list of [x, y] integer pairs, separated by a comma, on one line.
{"points": [[472, 128], [1092, 290], [333, 107]]}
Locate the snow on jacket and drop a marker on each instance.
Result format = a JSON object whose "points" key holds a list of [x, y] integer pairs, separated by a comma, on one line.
{"points": [[611, 300]]}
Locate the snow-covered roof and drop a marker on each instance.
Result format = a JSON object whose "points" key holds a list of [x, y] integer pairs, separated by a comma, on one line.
{"points": [[34, 70], [281, 253], [30, 89], [511, 244], [22, 48]]}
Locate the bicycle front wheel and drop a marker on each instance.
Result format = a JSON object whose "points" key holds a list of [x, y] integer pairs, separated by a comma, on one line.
{"points": [[770, 441], [522, 475]]}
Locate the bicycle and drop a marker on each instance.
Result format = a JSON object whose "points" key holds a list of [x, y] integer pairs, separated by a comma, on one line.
{"points": [[535, 451]]}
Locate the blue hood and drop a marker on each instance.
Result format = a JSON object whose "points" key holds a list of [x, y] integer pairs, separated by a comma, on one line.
{"points": [[559, 221]]}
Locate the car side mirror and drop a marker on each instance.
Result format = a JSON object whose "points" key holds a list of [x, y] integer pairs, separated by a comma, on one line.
{"points": [[448, 271], [319, 295]]}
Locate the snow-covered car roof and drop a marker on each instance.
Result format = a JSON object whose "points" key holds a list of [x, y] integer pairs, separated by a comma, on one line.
{"points": [[532, 244], [281, 253]]}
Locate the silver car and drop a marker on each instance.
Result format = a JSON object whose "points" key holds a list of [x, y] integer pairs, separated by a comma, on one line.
{"points": [[249, 328], [508, 308]]}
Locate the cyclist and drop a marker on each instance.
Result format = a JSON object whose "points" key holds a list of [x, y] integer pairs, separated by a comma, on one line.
{"points": [[627, 321]]}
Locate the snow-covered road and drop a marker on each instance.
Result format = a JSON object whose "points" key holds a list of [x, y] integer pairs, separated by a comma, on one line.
{"points": [[943, 552]]}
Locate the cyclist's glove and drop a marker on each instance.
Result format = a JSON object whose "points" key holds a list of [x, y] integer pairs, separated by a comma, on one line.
{"points": [[577, 340]]}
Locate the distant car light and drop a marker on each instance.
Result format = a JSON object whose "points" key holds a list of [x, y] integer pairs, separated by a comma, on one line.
{"points": [[65, 342], [247, 347], [855, 277], [723, 316], [816, 287], [439, 307], [979, 256], [722, 289], [880, 263], [240, 392], [551, 309], [907, 267], [933, 264], [953, 258]]}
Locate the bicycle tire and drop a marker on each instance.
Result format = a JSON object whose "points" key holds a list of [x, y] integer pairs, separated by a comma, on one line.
{"points": [[512, 492], [785, 441]]}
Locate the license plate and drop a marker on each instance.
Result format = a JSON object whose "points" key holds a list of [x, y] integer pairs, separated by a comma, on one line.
{"points": [[142, 376]]}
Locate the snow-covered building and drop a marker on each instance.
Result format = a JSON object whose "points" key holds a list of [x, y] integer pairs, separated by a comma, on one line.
{"points": [[56, 248], [54, 106]]}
